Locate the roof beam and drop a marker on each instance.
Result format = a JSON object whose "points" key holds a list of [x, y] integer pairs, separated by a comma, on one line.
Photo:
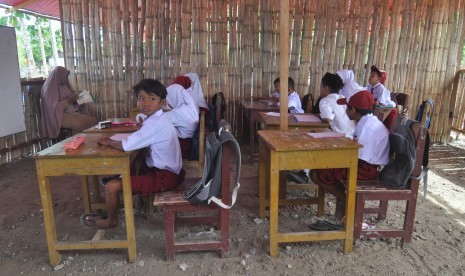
{"points": [[20, 6]]}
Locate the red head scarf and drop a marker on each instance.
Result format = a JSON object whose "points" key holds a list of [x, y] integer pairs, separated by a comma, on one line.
{"points": [[183, 81]]}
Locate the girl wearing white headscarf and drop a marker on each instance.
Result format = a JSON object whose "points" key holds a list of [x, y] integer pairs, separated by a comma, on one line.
{"points": [[183, 115], [350, 85], [197, 92]]}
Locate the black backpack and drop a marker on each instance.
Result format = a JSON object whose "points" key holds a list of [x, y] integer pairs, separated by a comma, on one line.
{"points": [[397, 172], [208, 188]]}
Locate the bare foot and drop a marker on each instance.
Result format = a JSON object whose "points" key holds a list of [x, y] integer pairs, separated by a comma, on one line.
{"points": [[106, 223]]}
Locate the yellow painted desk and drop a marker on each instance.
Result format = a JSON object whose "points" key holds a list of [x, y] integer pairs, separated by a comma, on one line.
{"points": [[295, 150], [115, 129], [251, 108], [89, 159], [272, 122]]}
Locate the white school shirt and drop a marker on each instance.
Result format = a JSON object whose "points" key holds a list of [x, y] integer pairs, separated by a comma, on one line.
{"points": [[184, 116], [160, 135], [382, 94], [293, 100], [329, 109], [275, 95], [197, 92], [374, 136]]}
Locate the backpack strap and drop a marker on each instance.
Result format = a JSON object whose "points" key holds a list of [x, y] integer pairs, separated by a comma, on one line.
{"points": [[226, 136]]}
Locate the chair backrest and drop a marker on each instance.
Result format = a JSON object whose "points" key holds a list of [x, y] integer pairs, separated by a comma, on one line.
{"points": [[401, 99]]}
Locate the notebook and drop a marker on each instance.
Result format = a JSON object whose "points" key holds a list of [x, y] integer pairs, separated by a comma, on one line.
{"points": [[274, 114], [329, 134], [309, 118]]}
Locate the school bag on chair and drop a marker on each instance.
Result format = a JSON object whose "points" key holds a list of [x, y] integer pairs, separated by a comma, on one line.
{"points": [[397, 172], [208, 188], [424, 115]]}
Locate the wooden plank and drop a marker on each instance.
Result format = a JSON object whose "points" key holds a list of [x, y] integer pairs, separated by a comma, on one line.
{"points": [[66, 246], [311, 236], [99, 235], [284, 41]]}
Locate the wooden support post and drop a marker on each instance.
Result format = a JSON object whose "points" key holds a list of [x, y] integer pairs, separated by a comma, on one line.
{"points": [[284, 39]]}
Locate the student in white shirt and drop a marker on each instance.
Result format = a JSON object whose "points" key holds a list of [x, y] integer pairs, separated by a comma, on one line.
{"points": [[369, 132], [381, 94], [159, 139], [191, 83], [183, 115], [293, 99], [330, 111], [350, 85]]}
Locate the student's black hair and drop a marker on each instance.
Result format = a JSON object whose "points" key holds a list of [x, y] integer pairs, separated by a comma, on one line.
{"points": [[290, 83], [151, 86], [330, 89], [361, 111]]}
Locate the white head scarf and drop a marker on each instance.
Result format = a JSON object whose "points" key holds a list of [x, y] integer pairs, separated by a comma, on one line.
{"points": [[184, 114], [197, 92], [350, 85]]}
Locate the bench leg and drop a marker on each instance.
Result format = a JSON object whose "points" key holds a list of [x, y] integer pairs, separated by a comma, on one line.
{"points": [[169, 233], [224, 228], [321, 201], [148, 206], [359, 208]]}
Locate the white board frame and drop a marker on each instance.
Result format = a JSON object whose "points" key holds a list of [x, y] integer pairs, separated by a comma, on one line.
{"points": [[11, 102]]}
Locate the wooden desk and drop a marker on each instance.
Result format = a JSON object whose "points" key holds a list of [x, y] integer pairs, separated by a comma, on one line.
{"points": [[272, 122], [251, 109], [88, 159], [115, 129], [295, 150]]}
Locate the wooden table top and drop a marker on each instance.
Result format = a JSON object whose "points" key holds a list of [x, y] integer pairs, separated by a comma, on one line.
{"points": [[115, 129], [297, 140], [292, 122], [259, 105], [89, 148]]}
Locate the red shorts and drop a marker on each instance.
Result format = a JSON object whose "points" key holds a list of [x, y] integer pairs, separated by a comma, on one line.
{"points": [[186, 145], [365, 171], [153, 180]]}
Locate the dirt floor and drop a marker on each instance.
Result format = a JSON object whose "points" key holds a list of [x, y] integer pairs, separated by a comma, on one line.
{"points": [[438, 246]]}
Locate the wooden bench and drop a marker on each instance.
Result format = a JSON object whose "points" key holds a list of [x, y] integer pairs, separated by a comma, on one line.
{"points": [[173, 204]]}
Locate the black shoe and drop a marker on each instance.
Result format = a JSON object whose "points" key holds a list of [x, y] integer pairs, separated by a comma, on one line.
{"points": [[298, 176]]}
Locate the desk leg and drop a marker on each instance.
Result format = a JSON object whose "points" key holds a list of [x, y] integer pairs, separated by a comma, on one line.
{"points": [[49, 218], [129, 213], [350, 203], [274, 202], [85, 194], [96, 188], [262, 174]]}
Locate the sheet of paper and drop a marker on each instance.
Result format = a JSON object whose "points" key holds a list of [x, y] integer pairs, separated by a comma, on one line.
{"points": [[329, 134], [84, 97], [274, 114], [119, 136], [310, 118]]}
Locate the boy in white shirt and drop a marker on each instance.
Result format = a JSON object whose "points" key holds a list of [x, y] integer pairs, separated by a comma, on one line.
{"points": [[163, 155], [330, 111], [381, 94], [369, 132], [293, 99]]}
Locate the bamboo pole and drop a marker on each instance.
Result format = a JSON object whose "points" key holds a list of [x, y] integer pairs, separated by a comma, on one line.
{"points": [[284, 74]]}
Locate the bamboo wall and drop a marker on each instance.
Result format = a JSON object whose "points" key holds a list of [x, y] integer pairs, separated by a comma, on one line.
{"points": [[458, 121], [234, 47]]}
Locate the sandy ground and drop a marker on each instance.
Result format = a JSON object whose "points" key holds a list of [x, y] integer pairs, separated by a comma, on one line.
{"points": [[438, 246]]}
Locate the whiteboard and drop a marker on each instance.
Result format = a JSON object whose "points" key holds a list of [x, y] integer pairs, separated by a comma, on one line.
{"points": [[11, 104]]}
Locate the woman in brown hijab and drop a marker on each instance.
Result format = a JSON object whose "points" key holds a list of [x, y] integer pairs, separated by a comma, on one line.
{"points": [[58, 108]]}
